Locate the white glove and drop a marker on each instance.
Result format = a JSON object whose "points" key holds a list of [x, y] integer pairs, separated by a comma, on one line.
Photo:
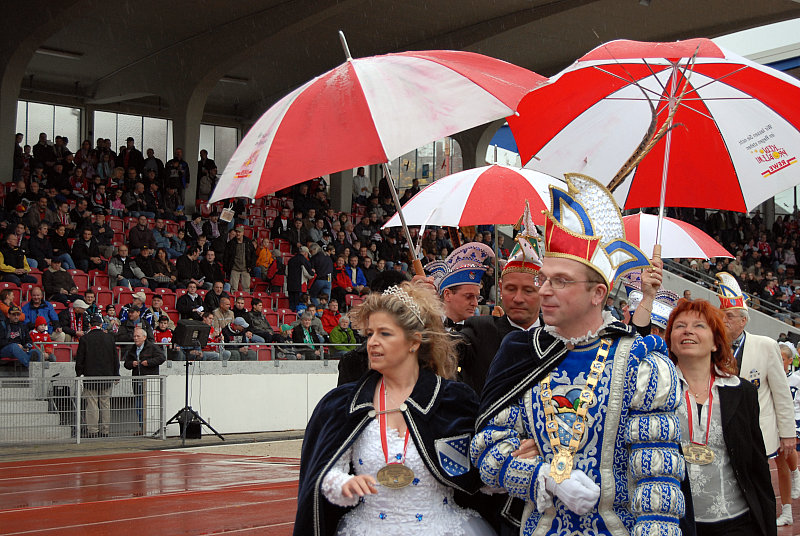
{"points": [[579, 492]]}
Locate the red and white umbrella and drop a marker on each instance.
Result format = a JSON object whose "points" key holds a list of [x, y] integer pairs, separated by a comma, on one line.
{"points": [[493, 194], [735, 139], [679, 240], [369, 111]]}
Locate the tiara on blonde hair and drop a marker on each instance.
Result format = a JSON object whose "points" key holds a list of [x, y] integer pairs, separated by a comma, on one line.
{"points": [[404, 296]]}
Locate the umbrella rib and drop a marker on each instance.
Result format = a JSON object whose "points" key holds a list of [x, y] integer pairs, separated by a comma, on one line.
{"points": [[720, 79], [635, 82]]}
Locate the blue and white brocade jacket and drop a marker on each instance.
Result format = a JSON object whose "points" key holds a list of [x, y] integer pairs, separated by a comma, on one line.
{"points": [[630, 447]]}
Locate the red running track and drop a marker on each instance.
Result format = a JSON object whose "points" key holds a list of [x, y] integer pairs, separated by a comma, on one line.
{"points": [[164, 493]]}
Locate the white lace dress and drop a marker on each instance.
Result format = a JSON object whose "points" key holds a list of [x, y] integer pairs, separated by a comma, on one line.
{"points": [[424, 507]]}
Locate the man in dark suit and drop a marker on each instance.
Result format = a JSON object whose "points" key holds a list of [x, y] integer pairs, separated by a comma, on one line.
{"points": [[142, 359], [295, 275], [101, 360]]}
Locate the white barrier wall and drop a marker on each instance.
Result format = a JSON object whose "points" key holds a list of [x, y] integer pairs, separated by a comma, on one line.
{"points": [[245, 403]]}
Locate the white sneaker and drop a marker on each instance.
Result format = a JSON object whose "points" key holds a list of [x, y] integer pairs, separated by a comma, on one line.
{"points": [[786, 516], [796, 484]]}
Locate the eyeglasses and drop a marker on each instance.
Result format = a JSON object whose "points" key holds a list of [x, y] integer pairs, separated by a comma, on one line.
{"points": [[557, 283], [477, 297]]}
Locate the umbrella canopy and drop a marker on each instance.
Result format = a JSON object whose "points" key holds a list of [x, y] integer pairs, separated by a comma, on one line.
{"points": [[679, 240], [493, 194], [736, 134], [369, 111]]}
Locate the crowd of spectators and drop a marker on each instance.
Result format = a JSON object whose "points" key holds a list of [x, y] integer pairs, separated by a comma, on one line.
{"points": [[122, 214], [764, 260]]}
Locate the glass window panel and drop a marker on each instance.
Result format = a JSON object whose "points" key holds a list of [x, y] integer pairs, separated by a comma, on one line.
{"points": [[154, 137], [40, 119], [784, 202], [206, 142], [225, 142], [170, 142], [105, 126], [456, 159], [425, 164], [22, 122], [406, 171], [128, 125], [68, 123]]}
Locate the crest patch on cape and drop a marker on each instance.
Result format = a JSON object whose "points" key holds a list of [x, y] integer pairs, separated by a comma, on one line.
{"points": [[453, 454]]}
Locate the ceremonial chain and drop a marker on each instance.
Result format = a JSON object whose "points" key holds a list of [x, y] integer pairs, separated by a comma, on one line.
{"points": [[564, 457]]}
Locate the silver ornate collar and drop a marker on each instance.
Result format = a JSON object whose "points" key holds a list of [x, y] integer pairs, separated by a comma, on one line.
{"points": [[608, 319]]}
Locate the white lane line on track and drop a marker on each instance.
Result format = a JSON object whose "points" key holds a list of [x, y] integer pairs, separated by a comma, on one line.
{"points": [[153, 516]]}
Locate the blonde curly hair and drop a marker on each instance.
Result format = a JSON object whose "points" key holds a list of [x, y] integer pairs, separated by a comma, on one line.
{"points": [[437, 350]]}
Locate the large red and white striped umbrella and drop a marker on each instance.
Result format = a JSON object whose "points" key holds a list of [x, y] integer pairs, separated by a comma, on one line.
{"points": [[493, 194], [370, 111], [679, 240], [736, 135]]}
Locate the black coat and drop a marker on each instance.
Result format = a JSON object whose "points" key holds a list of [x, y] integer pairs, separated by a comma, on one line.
{"points": [[745, 445], [186, 304], [437, 409], [150, 353], [294, 272], [481, 336], [97, 355]]}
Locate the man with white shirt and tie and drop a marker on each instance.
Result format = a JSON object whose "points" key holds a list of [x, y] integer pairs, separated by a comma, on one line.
{"points": [[142, 359]]}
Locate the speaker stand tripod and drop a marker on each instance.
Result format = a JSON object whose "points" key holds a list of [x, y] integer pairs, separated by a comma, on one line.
{"points": [[186, 414]]}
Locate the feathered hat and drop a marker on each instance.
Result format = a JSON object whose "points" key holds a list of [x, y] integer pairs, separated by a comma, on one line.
{"points": [[729, 293], [585, 225], [525, 257], [463, 266]]}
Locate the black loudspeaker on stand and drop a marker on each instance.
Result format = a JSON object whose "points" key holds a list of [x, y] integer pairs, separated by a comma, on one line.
{"points": [[190, 334]]}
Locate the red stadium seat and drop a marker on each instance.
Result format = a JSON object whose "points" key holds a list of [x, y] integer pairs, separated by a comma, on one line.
{"points": [[26, 291], [63, 353], [274, 319], [263, 352], [103, 296], [81, 279], [98, 278], [180, 292], [36, 273], [124, 298], [116, 224], [256, 211], [58, 306], [262, 234], [259, 222], [170, 300]]}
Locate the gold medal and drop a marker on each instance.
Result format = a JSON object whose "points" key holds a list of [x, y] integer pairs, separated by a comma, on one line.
{"points": [[561, 466], [697, 454], [395, 476]]}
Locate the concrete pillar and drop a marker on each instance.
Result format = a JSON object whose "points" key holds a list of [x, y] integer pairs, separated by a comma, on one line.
{"points": [[18, 43], [341, 188], [475, 141], [187, 113]]}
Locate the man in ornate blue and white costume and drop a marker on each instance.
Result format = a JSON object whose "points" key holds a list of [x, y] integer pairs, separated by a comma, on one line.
{"points": [[598, 400]]}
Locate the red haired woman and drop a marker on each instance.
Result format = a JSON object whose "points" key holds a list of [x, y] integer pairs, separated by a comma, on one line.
{"points": [[723, 448]]}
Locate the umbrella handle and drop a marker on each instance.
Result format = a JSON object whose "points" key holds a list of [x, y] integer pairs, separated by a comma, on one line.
{"points": [[656, 251]]}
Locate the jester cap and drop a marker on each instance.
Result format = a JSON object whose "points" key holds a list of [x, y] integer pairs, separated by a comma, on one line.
{"points": [[729, 293], [525, 257], [585, 225], [463, 266]]}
